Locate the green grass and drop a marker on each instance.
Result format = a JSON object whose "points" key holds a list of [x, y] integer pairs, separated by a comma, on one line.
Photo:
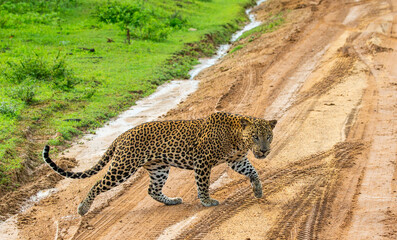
{"points": [[236, 48], [269, 26], [109, 79]]}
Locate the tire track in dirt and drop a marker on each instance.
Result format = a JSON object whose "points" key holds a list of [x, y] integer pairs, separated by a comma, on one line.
{"points": [[318, 173], [336, 75], [305, 215]]}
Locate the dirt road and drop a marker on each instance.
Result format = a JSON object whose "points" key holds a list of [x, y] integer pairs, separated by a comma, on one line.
{"points": [[329, 75]]}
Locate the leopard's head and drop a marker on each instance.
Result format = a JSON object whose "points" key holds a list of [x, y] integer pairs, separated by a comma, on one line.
{"points": [[257, 135]]}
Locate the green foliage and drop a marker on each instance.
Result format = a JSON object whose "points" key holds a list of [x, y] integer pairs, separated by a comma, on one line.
{"points": [[16, 12], [26, 6], [269, 26], [56, 141], [236, 48], [6, 166], [9, 108], [177, 21], [25, 93], [8, 154], [36, 68], [139, 21], [27, 69]]}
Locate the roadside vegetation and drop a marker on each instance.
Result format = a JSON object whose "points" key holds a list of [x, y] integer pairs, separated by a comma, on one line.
{"points": [[273, 22], [270, 25], [67, 66]]}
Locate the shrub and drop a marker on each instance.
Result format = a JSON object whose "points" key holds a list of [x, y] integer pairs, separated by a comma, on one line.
{"points": [[10, 109], [28, 68], [139, 21], [62, 77], [68, 132], [37, 69], [177, 21], [24, 93]]}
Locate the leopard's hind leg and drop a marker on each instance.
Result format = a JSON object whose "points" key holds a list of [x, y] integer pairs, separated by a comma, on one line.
{"points": [[158, 176], [116, 175]]}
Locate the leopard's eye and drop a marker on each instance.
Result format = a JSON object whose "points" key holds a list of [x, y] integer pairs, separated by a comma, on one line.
{"points": [[255, 137]]}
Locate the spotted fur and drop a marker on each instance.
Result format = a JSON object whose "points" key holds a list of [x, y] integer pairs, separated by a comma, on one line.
{"points": [[190, 144]]}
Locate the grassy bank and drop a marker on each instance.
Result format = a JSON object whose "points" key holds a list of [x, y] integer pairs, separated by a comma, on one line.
{"points": [[65, 71]]}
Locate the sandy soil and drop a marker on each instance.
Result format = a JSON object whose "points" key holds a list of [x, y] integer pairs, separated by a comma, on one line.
{"points": [[329, 76]]}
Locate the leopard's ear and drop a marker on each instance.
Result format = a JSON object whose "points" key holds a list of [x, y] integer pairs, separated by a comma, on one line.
{"points": [[272, 123], [245, 123]]}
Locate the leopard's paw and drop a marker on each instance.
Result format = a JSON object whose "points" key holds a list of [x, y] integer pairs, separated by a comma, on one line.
{"points": [[209, 202], [83, 208], [257, 188], [173, 201]]}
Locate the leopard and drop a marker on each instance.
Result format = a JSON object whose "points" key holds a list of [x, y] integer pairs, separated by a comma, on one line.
{"points": [[197, 145]]}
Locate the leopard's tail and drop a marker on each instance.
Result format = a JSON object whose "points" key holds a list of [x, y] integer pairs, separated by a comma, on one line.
{"points": [[77, 175]]}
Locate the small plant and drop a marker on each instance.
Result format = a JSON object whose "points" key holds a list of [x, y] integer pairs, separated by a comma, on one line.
{"points": [[56, 141], [238, 47], [38, 69], [88, 93], [28, 68], [177, 21], [62, 76], [24, 92], [10, 109], [68, 132], [269, 26], [177, 67]]}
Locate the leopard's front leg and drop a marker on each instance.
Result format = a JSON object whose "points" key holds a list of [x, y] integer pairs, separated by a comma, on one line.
{"points": [[202, 176], [245, 168]]}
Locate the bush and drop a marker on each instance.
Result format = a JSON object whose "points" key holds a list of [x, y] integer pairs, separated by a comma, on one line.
{"points": [[37, 69], [24, 93], [68, 132], [62, 77], [138, 21], [10, 109], [28, 68], [176, 21]]}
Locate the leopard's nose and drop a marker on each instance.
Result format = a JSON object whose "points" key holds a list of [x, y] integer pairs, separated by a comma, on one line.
{"points": [[265, 151]]}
